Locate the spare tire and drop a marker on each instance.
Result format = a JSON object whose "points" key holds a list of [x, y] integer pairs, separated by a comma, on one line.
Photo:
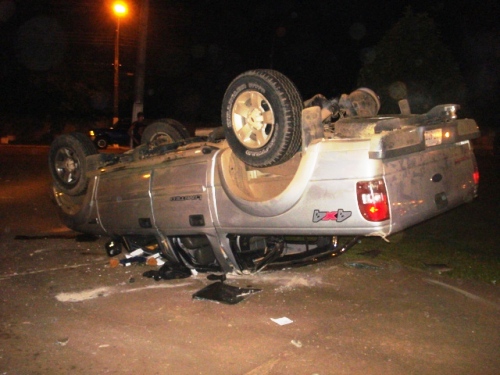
{"points": [[68, 164], [261, 115], [164, 131]]}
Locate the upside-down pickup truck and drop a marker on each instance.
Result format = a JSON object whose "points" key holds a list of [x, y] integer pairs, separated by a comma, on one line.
{"points": [[281, 181]]}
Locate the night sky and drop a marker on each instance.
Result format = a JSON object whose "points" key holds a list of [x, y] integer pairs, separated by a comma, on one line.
{"points": [[195, 48]]}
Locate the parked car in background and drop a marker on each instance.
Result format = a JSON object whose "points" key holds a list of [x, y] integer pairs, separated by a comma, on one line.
{"points": [[116, 134]]}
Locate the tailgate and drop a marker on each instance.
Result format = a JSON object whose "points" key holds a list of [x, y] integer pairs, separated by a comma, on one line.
{"points": [[426, 183], [429, 165]]}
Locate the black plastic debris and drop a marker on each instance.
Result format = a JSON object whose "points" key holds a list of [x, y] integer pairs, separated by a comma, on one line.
{"points": [[113, 248], [167, 272], [227, 294]]}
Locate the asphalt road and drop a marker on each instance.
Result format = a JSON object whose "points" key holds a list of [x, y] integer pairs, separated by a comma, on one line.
{"points": [[65, 310]]}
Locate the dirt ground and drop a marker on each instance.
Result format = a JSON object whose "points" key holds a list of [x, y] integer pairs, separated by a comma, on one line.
{"points": [[65, 310]]}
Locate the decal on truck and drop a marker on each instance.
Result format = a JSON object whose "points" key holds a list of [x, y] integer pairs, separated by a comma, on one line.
{"points": [[181, 198], [339, 216]]}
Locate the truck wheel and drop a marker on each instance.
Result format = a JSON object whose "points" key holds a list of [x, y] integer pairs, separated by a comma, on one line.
{"points": [[261, 115], [181, 129], [68, 164], [101, 142], [164, 131]]}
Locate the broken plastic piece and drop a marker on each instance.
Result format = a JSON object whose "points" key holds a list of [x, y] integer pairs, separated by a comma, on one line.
{"points": [[166, 272], [128, 261], [135, 253], [160, 262], [155, 260], [220, 292]]}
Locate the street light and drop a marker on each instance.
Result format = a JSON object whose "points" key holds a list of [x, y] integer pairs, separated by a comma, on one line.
{"points": [[120, 10]]}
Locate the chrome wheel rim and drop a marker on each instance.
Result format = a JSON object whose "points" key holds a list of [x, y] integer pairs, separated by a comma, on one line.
{"points": [[67, 166], [253, 119]]}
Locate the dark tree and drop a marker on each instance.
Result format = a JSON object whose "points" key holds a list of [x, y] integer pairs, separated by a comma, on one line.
{"points": [[411, 62]]}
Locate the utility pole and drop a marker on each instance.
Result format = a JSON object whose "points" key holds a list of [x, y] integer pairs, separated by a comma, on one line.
{"points": [[120, 9], [140, 70], [116, 75]]}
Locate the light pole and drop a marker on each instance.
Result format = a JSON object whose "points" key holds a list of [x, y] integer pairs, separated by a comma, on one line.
{"points": [[140, 70], [120, 10]]}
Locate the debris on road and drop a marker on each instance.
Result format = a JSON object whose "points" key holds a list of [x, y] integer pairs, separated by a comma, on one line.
{"points": [[282, 321], [296, 343], [62, 341], [224, 293], [167, 272], [128, 261], [138, 256]]}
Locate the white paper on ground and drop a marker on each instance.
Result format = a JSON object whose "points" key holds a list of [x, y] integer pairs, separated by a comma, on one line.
{"points": [[282, 321]]}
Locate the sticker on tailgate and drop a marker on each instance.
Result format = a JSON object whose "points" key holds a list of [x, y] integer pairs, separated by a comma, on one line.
{"points": [[339, 216]]}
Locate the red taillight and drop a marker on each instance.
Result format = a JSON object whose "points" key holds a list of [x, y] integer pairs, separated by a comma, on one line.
{"points": [[475, 174], [372, 200]]}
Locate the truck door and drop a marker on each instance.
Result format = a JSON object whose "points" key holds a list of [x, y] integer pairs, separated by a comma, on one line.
{"points": [[179, 196], [123, 201]]}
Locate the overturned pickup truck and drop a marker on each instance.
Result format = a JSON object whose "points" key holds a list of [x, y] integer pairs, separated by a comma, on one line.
{"points": [[278, 183]]}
